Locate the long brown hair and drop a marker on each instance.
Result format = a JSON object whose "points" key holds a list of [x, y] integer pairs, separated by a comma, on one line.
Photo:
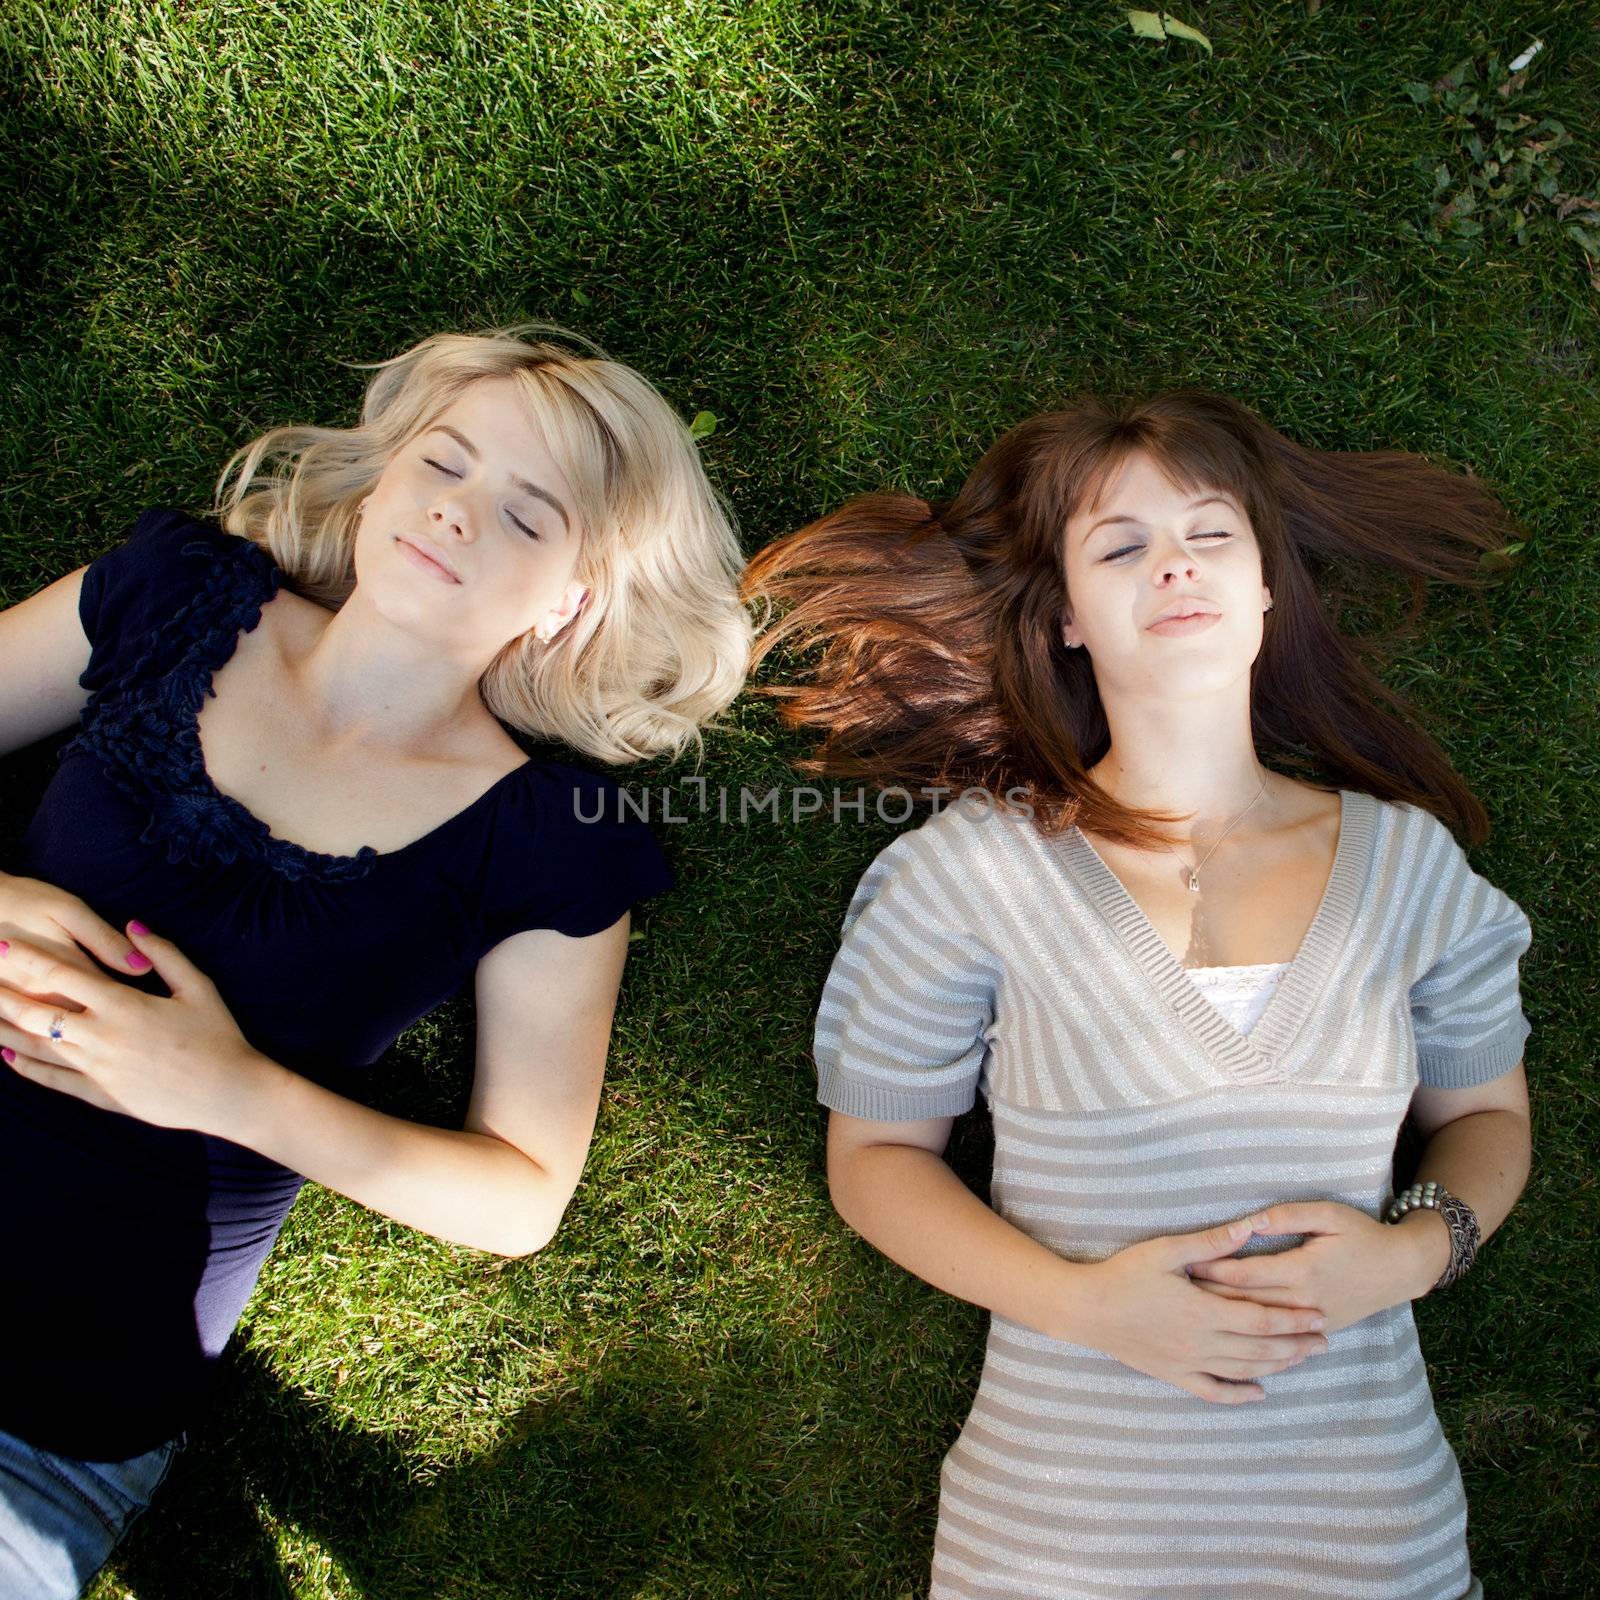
{"points": [[939, 626]]}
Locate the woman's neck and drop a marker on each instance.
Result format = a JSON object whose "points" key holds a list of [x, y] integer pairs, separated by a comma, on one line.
{"points": [[364, 682], [1193, 761]]}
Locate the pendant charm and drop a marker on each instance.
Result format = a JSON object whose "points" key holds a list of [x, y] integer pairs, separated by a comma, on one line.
{"points": [[1193, 880]]}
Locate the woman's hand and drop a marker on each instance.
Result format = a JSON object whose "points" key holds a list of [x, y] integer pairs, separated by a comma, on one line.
{"points": [[1142, 1308], [63, 926], [1348, 1267], [178, 1061]]}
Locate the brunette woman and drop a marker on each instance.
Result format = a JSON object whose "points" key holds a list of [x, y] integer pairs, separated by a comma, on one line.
{"points": [[293, 800], [1217, 949]]}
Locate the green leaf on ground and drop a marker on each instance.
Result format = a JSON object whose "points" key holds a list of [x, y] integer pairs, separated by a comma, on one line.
{"points": [[1149, 25], [1182, 30]]}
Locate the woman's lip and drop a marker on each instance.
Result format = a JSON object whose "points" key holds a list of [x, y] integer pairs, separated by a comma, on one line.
{"points": [[420, 558], [1195, 622]]}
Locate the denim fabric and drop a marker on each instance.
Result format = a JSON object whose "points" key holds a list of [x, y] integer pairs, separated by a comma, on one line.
{"points": [[60, 1518]]}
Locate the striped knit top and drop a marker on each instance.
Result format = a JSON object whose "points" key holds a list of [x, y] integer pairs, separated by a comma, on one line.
{"points": [[978, 954]]}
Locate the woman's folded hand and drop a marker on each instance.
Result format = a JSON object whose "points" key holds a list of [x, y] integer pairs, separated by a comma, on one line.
{"points": [[64, 927], [1348, 1264], [176, 1060], [1145, 1310]]}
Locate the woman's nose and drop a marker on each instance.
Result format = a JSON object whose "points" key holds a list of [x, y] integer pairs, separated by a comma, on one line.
{"points": [[1176, 565], [451, 519]]}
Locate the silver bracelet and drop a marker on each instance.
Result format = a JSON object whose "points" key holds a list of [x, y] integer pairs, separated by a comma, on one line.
{"points": [[1459, 1218]]}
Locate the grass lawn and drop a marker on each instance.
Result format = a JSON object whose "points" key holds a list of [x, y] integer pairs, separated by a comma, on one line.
{"points": [[867, 236]]}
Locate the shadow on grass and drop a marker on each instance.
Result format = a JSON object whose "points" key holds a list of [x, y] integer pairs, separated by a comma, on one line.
{"points": [[584, 1497]]}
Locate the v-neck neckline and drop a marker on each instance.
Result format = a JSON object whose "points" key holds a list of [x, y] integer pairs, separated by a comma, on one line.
{"points": [[1254, 1056]]}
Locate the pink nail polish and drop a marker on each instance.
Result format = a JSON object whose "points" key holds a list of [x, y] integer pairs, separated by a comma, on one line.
{"points": [[9, 1055], [138, 960], [138, 929], [5, 947]]}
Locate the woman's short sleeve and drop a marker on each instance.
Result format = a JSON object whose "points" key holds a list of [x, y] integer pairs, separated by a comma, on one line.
{"points": [[132, 592], [902, 1031], [1466, 1010], [567, 854]]}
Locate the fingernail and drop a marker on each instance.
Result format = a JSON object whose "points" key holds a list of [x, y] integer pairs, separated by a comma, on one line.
{"points": [[1318, 1324], [138, 929], [9, 1055], [137, 959], [5, 947], [1262, 1221], [1238, 1230]]}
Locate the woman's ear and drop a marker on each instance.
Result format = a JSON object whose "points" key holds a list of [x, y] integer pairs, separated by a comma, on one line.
{"points": [[1069, 635], [559, 615], [1266, 598]]}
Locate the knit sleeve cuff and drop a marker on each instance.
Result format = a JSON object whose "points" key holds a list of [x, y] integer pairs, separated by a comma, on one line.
{"points": [[1493, 1058], [874, 1103]]}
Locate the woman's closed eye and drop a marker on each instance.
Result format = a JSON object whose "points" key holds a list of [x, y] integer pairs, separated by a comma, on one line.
{"points": [[1124, 550], [518, 523], [439, 466]]}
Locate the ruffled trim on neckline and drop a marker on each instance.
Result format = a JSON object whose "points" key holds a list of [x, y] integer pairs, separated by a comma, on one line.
{"points": [[145, 729]]}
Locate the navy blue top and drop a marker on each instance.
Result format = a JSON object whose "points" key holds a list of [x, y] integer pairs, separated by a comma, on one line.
{"points": [[129, 1250]]}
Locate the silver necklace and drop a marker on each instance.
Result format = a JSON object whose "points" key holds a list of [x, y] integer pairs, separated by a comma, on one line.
{"points": [[1192, 874]]}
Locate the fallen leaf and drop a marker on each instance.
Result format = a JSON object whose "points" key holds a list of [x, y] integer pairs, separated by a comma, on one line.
{"points": [[703, 426], [1146, 24], [1182, 30], [1566, 204]]}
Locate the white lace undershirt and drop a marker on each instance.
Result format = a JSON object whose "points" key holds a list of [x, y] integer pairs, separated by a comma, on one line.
{"points": [[1241, 994]]}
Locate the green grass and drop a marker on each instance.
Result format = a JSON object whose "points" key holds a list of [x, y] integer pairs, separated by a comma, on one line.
{"points": [[867, 236]]}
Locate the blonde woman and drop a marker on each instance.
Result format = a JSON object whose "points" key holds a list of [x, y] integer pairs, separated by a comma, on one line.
{"points": [[292, 823]]}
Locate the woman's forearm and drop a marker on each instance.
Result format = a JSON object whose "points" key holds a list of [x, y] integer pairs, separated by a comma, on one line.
{"points": [[1482, 1158], [469, 1188], [908, 1203]]}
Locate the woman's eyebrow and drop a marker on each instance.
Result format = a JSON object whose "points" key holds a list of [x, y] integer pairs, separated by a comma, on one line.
{"points": [[522, 483], [1193, 505]]}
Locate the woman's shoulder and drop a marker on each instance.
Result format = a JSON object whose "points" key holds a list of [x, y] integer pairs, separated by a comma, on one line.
{"points": [[165, 533], [1409, 835], [168, 561], [958, 853], [570, 800], [1420, 863], [565, 849], [974, 827]]}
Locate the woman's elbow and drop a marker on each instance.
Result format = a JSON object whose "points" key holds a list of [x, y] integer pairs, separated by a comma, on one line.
{"points": [[528, 1229], [844, 1186], [520, 1238]]}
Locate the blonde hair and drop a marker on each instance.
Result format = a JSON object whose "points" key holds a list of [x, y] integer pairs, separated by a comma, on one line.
{"points": [[662, 643]]}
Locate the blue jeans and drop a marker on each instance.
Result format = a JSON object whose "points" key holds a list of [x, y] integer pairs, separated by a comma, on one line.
{"points": [[60, 1518]]}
